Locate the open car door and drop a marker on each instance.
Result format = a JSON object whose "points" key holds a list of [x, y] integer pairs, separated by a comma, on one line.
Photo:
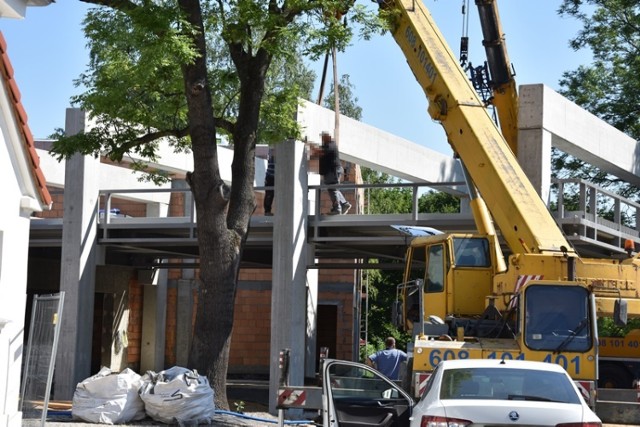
{"points": [[357, 395]]}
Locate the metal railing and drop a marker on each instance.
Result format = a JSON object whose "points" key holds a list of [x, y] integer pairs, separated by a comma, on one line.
{"points": [[582, 209], [587, 210]]}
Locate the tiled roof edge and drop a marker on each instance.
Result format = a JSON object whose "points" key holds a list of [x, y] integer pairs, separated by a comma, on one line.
{"points": [[21, 118]]}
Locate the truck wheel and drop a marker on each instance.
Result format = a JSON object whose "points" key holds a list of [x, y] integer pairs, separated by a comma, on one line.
{"points": [[613, 376]]}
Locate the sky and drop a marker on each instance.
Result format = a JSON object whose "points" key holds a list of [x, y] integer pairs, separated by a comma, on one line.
{"points": [[48, 52]]}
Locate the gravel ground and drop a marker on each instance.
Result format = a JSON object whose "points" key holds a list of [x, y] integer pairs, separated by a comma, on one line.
{"points": [[248, 419], [251, 397]]}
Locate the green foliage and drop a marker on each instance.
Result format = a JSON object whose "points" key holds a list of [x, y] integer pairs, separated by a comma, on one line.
{"points": [[346, 97], [134, 86], [382, 283], [608, 328], [240, 405], [390, 200], [608, 87], [382, 294], [385, 200], [438, 202]]}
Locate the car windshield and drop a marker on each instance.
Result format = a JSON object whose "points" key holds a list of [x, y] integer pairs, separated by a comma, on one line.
{"points": [[507, 384]]}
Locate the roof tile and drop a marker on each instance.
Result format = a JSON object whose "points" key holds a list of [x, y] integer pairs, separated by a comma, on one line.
{"points": [[6, 69]]}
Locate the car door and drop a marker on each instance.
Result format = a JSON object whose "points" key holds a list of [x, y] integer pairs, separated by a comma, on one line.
{"points": [[357, 395]]}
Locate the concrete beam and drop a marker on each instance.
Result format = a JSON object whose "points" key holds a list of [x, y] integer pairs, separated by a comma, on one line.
{"points": [[579, 133], [368, 146]]}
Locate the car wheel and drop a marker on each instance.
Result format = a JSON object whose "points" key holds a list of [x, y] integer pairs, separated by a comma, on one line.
{"points": [[613, 376]]}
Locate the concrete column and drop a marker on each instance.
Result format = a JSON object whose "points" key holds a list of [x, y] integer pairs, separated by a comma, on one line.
{"points": [[290, 289], [312, 288], [311, 349], [78, 262], [534, 137], [534, 156], [154, 320], [184, 321]]}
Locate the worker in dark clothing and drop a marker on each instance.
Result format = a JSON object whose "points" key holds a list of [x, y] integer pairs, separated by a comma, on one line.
{"points": [[331, 171], [269, 181]]}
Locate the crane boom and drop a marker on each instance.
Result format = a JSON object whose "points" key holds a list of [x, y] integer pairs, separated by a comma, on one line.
{"points": [[502, 83], [518, 211]]}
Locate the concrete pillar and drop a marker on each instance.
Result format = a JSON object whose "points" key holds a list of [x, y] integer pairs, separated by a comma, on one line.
{"points": [[312, 288], [290, 291], [312, 315], [534, 156], [78, 262], [184, 321], [154, 321], [534, 140]]}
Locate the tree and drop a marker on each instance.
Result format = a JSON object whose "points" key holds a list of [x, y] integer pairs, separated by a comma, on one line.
{"points": [[609, 87], [347, 98], [185, 72]]}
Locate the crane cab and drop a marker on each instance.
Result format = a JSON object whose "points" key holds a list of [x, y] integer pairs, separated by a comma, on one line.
{"points": [[456, 271]]}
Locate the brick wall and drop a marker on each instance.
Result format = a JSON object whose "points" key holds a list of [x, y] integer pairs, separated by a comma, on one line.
{"points": [[134, 331], [127, 207], [251, 338]]}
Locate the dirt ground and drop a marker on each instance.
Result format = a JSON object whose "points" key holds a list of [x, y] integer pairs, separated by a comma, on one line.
{"points": [[248, 402]]}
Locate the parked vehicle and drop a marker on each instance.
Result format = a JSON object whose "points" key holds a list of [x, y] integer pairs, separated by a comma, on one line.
{"points": [[505, 392], [459, 393]]}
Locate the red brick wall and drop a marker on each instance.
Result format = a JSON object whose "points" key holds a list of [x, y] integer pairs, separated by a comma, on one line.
{"points": [[251, 338], [134, 331], [127, 207]]}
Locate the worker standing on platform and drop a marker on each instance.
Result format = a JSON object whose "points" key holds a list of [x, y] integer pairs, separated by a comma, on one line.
{"points": [[331, 171], [269, 182]]}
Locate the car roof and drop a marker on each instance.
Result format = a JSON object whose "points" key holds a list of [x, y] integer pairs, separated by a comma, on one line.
{"points": [[507, 364]]}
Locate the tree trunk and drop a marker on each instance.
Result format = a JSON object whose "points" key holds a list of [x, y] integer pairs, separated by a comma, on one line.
{"points": [[223, 213], [218, 246]]}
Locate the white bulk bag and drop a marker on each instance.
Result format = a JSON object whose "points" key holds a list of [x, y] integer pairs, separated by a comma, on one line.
{"points": [[108, 398], [178, 395]]}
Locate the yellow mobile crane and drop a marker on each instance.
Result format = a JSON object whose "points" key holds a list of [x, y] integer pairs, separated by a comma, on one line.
{"points": [[619, 357], [459, 297]]}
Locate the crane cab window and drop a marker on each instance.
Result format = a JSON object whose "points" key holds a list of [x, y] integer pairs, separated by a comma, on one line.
{"points": [[427, 263], [434, 282], [471, 252], [417, 263]]}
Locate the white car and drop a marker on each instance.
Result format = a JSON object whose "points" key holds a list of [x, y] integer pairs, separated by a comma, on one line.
{"points": [[501, 393], [472, 392]]}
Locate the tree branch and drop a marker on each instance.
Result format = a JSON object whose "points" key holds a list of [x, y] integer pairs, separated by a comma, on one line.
{"points": [[152, 136]]}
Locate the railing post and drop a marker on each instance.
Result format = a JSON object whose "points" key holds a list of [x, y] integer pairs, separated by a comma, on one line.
{"points": [[107, 217], [414, 203], [560, 201]]}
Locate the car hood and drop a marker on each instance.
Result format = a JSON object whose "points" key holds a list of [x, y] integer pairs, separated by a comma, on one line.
{"points": [[515, 412]]}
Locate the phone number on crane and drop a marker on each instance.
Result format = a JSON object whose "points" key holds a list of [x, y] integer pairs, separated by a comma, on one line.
{"points": [[569, 364]]}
